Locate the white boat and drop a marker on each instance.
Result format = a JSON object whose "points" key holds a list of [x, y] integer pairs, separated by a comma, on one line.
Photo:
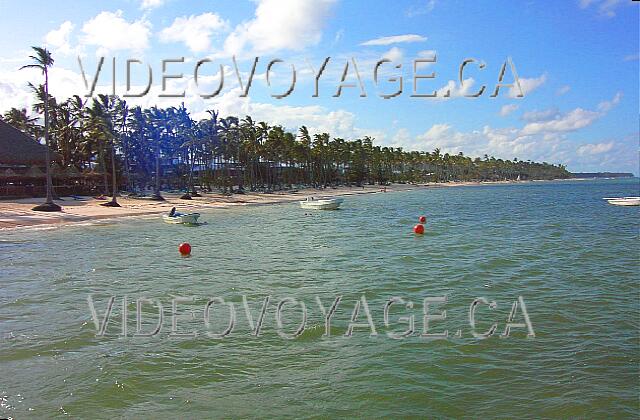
{"points": [[181, 218], [312, 203], [623, 201]]}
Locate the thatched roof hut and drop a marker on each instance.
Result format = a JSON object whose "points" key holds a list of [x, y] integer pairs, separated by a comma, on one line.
{"points": [[18, 149]]}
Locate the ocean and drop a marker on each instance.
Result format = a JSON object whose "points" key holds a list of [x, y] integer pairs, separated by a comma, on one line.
{"points": [[549, 262]]}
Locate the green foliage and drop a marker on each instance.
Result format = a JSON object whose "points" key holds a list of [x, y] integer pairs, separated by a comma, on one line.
{"points": [[231, 153]]}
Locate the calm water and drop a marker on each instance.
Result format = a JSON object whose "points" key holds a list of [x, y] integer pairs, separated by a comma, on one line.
{"points": [[573, 258]]}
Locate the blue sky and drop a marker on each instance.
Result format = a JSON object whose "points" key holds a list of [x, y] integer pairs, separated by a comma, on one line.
{"points": [[577, 61]]}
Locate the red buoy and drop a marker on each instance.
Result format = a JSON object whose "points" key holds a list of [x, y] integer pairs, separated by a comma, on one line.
{"points": [[422, 219], [185, 248], [419, 229]]}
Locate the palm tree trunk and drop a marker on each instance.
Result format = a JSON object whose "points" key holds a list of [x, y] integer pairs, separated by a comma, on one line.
{"points": [[156, 193], [228, 176], [190, 187], [48, 205], [114, 182], [49, 199], [105, 179]]}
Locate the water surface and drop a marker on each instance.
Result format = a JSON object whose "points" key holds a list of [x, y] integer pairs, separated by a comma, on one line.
{"points": [[572, 257]]}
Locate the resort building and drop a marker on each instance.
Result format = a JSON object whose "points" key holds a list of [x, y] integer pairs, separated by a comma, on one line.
{"points": [[22, 163]]}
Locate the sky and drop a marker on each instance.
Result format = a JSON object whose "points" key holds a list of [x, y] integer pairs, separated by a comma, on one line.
{"points": [[576, 62]]}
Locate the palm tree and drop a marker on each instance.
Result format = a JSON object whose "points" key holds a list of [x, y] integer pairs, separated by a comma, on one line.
{"points": [[138, 127], [250, 136], [157, 118], [21, 120], [42, 60], [101, 112], [187, 133], [121, 117]]}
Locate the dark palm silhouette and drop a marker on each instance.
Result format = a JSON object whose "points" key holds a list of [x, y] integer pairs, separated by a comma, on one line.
{"points": [[42, 60], [166, 146]]}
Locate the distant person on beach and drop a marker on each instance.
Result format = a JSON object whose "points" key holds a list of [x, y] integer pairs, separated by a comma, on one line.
{"points": [[172, 212]]}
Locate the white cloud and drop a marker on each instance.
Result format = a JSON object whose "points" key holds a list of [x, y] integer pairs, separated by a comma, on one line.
{"points": [[544, 137], [527, 85], [436, 132], [396, 39], [546, 115], [573, 120], [594, 149], [507, 143], [65, 83], [13, 94], [632, 57], [14, 90], [422, 9], [59, 38], [606, 8], [280, 25], [338, 36], [605, 106], [394, 54], [563, 90], [318, 119], [427, 53], [453, 89], [109, 32], [508, 109], [194, 31], [551, 121], [151, 4]]}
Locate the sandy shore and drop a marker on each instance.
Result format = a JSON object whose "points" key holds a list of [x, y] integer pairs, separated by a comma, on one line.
{"points": [[17, 213]]}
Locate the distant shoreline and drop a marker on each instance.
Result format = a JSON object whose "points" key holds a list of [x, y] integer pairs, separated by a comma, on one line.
{"points": [[17, 213]]}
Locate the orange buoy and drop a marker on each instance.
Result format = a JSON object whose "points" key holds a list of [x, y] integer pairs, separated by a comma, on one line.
{"points": [[184, 248], [419, 229], [422, 219]]}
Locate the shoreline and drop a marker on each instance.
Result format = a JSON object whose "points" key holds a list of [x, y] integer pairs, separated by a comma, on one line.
{"points": [[17, 214]]}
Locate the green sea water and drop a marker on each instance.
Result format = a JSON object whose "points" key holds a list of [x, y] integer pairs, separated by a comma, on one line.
{"points": [[571, 257]]}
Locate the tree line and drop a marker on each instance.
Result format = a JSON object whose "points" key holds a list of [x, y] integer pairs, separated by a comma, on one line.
{"points": [[165, 147]]}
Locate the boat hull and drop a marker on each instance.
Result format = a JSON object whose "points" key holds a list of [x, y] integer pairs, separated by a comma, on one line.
{"points": [[325, 204], [625, 202], [182, 219]]}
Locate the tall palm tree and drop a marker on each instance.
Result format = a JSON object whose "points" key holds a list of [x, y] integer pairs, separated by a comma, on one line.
{"points": [[101, 111], [187, 134], [121, 117], [250, 137], [138, 132], [42, 60], [157, 118], [230, 131]]}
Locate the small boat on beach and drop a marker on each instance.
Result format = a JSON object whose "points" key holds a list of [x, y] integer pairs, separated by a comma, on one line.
{"points": [[312, 203], [177, 218], [623, 201]]}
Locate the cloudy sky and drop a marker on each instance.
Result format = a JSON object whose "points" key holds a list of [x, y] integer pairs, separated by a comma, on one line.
{"points": [[577, 62]]}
